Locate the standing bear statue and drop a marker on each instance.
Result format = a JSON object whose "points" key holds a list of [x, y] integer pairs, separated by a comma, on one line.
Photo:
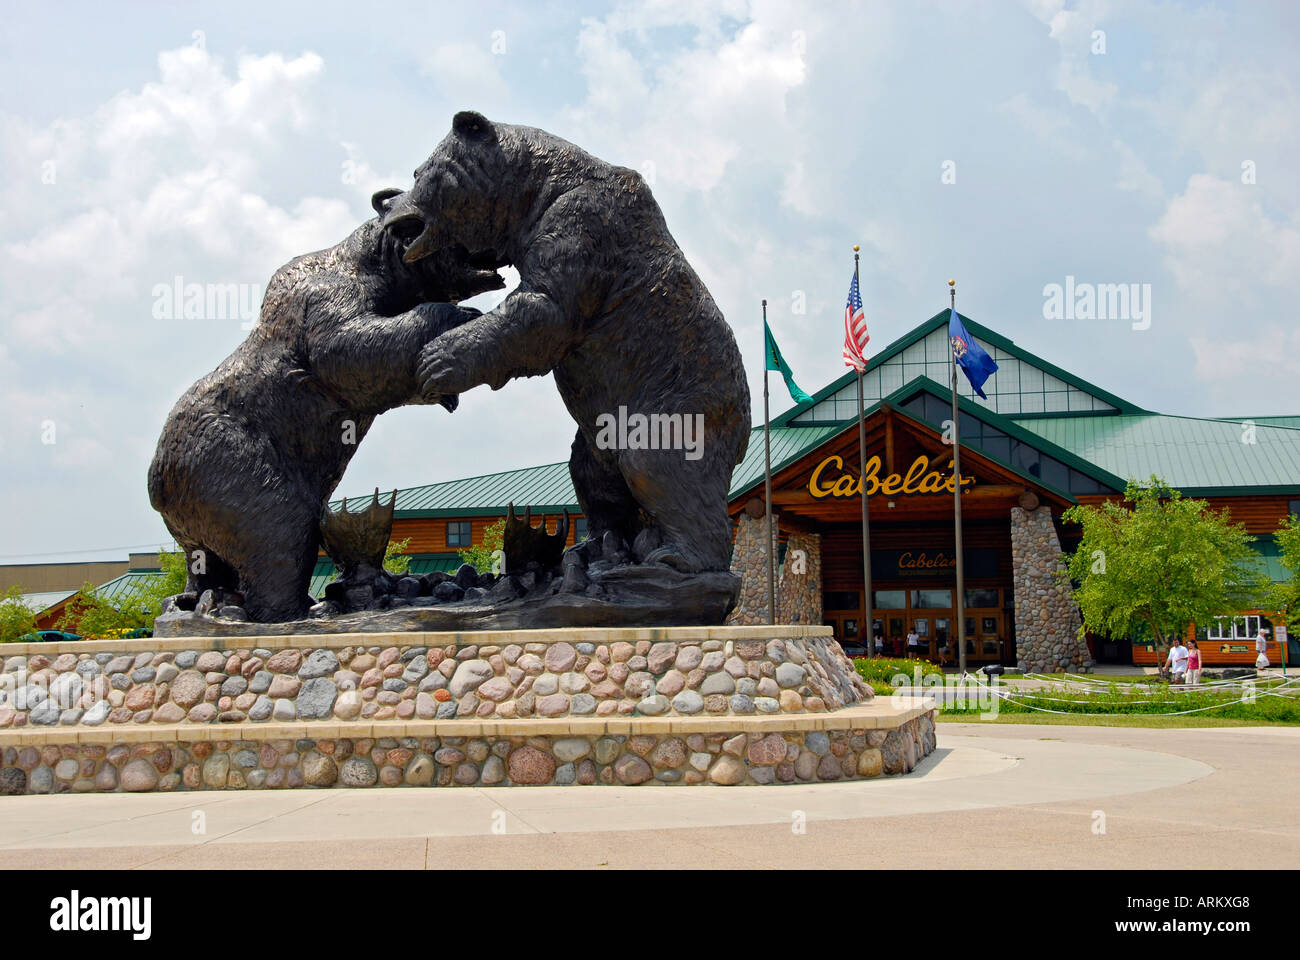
{"points": [[251, 453], [608, 303]]}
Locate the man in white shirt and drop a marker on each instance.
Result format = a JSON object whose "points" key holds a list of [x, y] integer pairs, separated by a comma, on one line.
{"points": [[1177, 661], [913, 643]]}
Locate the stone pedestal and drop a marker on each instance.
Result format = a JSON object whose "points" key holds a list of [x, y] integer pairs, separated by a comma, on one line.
{"points": [[799, 580], [686, 705], [799, 594], [749, 562], [1047, 618]]}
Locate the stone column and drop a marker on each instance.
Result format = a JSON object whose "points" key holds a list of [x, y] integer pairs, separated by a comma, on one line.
{"points": [[1047, 617], [749, 562], [799, 595]]}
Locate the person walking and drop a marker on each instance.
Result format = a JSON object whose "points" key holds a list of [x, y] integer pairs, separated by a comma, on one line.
{"points": [[913, 644], [1261, 648], [1176, 662], [1193, 663]]}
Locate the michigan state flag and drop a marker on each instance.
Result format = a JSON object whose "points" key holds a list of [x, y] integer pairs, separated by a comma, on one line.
{"points": [[969, 355], [777, 362]]}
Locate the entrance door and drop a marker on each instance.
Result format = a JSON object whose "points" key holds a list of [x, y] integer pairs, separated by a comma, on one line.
{"points": [[843, 614]]}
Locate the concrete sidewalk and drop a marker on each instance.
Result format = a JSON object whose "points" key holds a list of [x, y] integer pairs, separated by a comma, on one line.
{"points": [[998, 796]]}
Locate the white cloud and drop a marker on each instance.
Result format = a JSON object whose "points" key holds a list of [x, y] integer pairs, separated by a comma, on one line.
{"points": [[695, 111], [1274, 355], [1222, 247], [1073, 31], [467, 74]]}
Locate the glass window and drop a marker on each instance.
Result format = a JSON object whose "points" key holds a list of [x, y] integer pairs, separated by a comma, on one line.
{"points": [[997, 447], [459, 533], [1055, 473], [1082, 483], [579, 529], [937, 411], [981, 598], [891, 599], [842, 599], [1293, 508], [931, 598]]}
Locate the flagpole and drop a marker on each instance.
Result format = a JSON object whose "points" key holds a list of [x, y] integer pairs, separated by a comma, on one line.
{"points": [[956, 502], [862, 482], [767, 485]]}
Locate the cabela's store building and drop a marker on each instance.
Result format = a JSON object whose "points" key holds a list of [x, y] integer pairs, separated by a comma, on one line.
{"points": [[1043, 441]]}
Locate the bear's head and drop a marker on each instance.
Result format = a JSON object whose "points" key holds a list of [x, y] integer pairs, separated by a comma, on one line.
{"points": [[443, 276], [466, 195]]}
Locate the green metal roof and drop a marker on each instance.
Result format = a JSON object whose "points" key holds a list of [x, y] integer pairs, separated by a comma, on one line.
{"points": [[1290, 422], [38, 603], [788, 445], [546, 489], [121, 588], [1195, 456]]}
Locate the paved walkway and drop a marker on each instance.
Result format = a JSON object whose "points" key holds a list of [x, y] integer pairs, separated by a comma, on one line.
{"points": [[990, 796]]}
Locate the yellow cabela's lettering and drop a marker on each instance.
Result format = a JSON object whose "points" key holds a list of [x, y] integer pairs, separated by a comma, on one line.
{"points": [[923, 561], [918, 479]]}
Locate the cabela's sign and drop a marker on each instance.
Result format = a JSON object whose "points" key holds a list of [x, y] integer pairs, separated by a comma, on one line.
{"points": [[829, 479]]}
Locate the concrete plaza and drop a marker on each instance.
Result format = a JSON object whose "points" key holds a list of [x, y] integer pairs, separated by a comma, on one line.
{"points": [[991, 795]]}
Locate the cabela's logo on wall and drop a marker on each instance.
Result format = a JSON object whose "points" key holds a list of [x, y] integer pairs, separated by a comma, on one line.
{"points": [[918, 479]]}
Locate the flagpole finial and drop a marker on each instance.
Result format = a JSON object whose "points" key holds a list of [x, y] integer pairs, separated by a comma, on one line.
{"points": [[856, 248], [952, 293]]}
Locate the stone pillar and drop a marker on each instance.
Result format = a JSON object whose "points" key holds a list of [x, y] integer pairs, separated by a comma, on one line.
{"points": [[749, 562], [799, 595], [1047, 618]]}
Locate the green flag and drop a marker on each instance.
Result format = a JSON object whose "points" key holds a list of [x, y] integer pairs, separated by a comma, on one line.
{"points": [[777, 362]]}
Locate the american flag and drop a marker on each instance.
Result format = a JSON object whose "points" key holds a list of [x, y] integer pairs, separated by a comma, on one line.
{"points": [[855, 329]]}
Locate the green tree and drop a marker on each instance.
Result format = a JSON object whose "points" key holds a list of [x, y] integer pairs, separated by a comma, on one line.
{"points": [[394, 562], [93, 615], [1286, 595], [16, 618], [1160, 561], [482, 558]]}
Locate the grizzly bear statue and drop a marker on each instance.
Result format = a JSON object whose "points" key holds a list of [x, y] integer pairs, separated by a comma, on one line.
{"points": [[251, 453], [642, 356]]}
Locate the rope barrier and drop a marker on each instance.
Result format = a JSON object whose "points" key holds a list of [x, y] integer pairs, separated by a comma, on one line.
{"points": [[1004, 694]]}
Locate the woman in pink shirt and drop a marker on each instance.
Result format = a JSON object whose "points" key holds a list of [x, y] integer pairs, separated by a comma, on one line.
{"points": [[1193, 663]]}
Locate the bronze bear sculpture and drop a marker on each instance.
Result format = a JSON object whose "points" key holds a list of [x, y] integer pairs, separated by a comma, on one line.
{"points": [[609, 304], [251, 453]]}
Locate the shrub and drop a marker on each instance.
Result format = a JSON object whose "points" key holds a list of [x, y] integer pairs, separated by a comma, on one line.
{"points": [[879, 672]]}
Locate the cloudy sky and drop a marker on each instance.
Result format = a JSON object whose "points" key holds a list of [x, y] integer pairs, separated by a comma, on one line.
{"points": [[1009, 145]]}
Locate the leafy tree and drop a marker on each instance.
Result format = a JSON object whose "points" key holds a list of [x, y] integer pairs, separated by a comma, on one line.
{"points": [[394, 562], [92, 615], [1286, 595], [1160, 561], [16, 618], [481, 557]]}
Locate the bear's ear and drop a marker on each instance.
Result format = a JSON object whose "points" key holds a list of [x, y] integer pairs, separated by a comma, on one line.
{"points": [[473, 126]]}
